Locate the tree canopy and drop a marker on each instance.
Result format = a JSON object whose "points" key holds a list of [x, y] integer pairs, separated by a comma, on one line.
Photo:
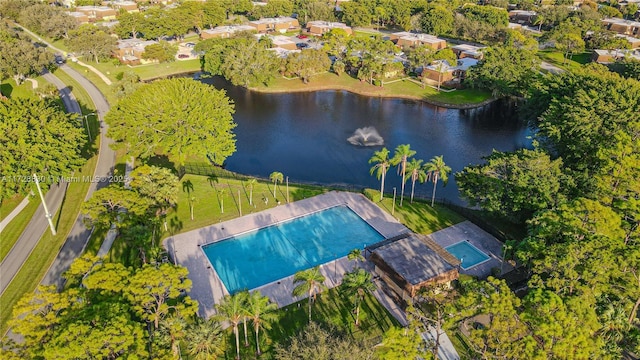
{"points": [[37, 137], [180, 118]]}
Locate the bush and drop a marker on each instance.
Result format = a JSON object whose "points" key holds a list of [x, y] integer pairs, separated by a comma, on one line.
{"points": [[373, 195]]}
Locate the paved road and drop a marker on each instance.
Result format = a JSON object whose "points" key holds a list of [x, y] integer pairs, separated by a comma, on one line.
{"points": [[27, 241], [79, 235]]}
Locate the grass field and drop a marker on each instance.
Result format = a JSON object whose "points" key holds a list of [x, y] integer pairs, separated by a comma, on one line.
{"points": [[14, 229], [557, 58], [333, 308], [7, 205], [9, 88], [400, 89]]}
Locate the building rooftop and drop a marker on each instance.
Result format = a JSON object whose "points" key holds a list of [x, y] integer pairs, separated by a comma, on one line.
{"points": [[229, 29], [425, 38], [281, 40], [76, 14], [619, 21], [277, 20], [632, 54], [282, 53], [522, 13], [135, 44], [417, 258], [328, 24], [93, 8]]}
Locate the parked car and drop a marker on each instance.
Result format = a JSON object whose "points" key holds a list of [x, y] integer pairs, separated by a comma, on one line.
{"points": [[183, 56], [190, 44], [302, 45], [302, 36]]}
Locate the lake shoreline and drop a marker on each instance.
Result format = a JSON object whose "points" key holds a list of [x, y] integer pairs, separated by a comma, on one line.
{"points": [[374, 92], [313, 88]]}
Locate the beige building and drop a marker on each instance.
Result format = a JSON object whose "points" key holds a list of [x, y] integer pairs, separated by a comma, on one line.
{"points": [[621, 26], [283, 42], [279, 24], [130, 51], [128, 6], [97, 13], [225, 31], [468, 51], [81, 18], [406, 40], [321, 27], [611, 56]]}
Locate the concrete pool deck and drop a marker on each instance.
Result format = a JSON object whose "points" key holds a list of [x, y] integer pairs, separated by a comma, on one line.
{"points": [[477, 237], [208, 289]]}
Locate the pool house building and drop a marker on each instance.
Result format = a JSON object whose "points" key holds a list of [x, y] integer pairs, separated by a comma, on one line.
{"points": [[411, 262]]}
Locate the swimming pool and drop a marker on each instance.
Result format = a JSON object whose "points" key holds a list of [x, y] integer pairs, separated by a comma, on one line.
{"points": [[468, 254], [259, 257]]}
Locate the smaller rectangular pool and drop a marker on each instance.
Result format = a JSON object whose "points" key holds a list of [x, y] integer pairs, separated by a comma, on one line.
{"points": [[468, 254]]}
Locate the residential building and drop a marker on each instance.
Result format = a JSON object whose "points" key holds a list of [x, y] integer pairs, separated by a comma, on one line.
{"points": [[128, 6], [283, 42], [621, 26], [97, 13], [130, 51], [80, 17], [225, 31], [610, 56], [522, 17], [279, 24], [468, 51], [413, 262], [283, 53], [634, 43], [407, 39], [321, 27]]}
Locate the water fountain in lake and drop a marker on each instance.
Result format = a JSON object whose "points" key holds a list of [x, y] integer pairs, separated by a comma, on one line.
{"points": [[366, 136]]}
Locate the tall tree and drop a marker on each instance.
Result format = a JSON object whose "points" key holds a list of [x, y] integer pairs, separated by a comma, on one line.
{"points": [[437, 20], [36, 137], [206, 339], [437, 170], [276, 177], [249, 63], [232, 308], [311, 281], [90, 42], [382, 164], [400, 159], [176, 117], [156, 292], [21, 58], [514, 185], [358, 283], [158, 184], [250, 183], [308, 63], [504, 70], [260, 310], [417, 173], [355, 255], [107, 206]]}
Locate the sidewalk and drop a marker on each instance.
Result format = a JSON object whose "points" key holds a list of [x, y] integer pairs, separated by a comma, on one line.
{"points": [[14, 213]]}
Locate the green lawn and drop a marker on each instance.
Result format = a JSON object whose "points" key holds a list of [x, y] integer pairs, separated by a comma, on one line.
{"points": [[152, 71], [402, 89], [14, 229], [207, 204], [557, 58], [7, 205], [418, 216], [331, 309], [9, 88]]}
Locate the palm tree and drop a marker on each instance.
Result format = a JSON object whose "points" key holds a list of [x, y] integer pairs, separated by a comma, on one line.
{"points": [[250, 183], [414, 168], [358, 283], [400, 157], [170, 332], [311, 282], [245, 315], [437, 170], [539, 21], [276, 177], [205, 340], [231, 309], [260, 311], [192, 201], [382, 164], [356, 254]]}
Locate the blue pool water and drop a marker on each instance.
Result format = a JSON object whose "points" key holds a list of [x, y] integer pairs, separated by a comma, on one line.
{"points": [[274, 252], [468, 254]]}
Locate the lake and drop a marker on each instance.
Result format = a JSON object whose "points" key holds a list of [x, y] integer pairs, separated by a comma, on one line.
{"points": [[304, 136]]}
